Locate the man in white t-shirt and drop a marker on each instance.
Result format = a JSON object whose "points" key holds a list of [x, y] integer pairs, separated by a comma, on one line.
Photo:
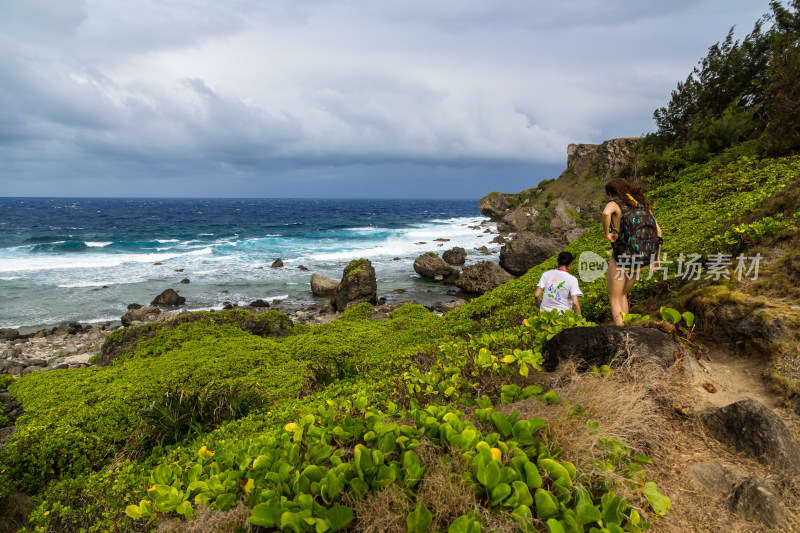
{"points": [[558, 289]]}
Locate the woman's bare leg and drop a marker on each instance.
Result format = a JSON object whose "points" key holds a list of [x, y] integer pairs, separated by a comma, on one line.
{"points": [[616, 279]]}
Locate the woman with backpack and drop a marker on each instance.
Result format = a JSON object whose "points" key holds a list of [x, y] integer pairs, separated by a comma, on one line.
{"points": [[635, 241]]}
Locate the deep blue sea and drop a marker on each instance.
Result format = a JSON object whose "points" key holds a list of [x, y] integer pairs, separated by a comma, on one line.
{"points": [[68, 259]]}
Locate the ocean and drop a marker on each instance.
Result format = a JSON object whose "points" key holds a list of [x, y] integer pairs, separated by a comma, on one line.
{"points": [[85, 259]]}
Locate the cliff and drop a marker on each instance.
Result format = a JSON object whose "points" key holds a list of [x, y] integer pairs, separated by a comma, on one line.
{"points": [[572, 201]]}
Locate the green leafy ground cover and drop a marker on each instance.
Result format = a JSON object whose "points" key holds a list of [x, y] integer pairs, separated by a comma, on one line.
{"points": [[346, 407]]}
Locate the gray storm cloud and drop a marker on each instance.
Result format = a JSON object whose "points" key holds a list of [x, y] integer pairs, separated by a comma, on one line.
{"points": [[96, 90]]}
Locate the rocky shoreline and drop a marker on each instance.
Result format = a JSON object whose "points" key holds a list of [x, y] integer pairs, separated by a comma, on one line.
{"points": [[74, 345]]}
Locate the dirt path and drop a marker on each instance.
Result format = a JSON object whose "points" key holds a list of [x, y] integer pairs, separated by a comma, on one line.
{"points": [[734, 378], [694, 454]]}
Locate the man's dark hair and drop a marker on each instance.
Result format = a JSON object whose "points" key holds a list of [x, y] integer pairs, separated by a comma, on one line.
{"points": [[565, 259]]}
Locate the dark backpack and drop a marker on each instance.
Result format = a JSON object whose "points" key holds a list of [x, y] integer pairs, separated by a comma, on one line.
{"points": [[638, 234]]}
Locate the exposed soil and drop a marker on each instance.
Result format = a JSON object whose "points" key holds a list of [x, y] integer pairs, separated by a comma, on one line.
{"points": [[694, 507]]}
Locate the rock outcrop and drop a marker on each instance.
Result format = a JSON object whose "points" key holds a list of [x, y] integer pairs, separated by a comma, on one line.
{"points": [[750, 427], [482, 277], [526, 251], [609, 344], [358, 285], [455, 256], [606, 160], [169, 297], [139, 315], [322, 286], [432, 267], [493, 205]]}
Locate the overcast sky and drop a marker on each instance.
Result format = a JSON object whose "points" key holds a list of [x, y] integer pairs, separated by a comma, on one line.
{"points": [[322, 98]]}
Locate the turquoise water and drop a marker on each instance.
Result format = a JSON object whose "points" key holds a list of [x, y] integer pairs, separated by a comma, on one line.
{"points": [[67, 259]]}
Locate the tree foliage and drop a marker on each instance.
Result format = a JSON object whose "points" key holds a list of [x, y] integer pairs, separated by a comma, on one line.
{"points": [[741, 90]]}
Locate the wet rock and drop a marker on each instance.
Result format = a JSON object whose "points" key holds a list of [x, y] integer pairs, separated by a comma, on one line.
{"points": [[259, 303], [277, 263], [169, 297], [185, 280], [455, 256], [750, 427]]}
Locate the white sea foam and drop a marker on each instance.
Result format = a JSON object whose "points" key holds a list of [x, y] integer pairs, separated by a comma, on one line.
{"points": [[88, 261], [98, 244]]}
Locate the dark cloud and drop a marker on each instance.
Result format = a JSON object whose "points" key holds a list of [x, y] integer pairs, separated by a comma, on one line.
{"points": [[322, 98]]}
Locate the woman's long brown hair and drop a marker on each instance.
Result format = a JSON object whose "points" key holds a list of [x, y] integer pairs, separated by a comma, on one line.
{"points": [[622, 189]]}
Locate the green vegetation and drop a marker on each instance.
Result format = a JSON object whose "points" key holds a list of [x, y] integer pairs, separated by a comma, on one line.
{"points": [[414, 421]]}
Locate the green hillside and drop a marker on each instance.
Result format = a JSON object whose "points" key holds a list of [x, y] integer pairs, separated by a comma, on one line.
{"points": [[418, 422]]}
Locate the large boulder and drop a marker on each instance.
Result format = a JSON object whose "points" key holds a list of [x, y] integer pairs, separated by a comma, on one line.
{"points": [[516, 220], [526, 250], [322, 286], [750, 427], [493, 204], [455, 256], [609, 344], [482, 277], [139, 315], [432, 267], [358, 285], [168, 297]]}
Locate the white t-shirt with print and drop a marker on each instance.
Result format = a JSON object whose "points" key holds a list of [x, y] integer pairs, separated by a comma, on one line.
{"points": [[558, 288]]}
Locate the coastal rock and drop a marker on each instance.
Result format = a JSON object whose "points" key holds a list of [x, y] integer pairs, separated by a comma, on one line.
{"points": [[185, 280], [604, 160], [432, 267], [516, 220], [750, 427], [322, 286], [134, 306], [574, 234], [493, 205], [563, 219], [277, 263], [140, 314], [757, 500], [451, 306], [8, 334], [526, 250], [358, 285], [455, 256], [482, 277], [609, 345], [168, 297], [303, 268]]}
